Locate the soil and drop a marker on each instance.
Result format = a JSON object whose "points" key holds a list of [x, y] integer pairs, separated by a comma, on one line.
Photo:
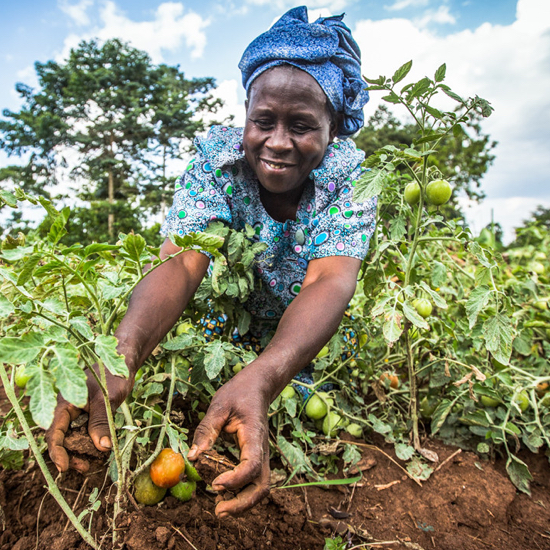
{"points": [[467, 504]]}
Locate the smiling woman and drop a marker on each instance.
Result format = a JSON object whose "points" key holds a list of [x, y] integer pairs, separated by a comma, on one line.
{"points": [[285, 175]]}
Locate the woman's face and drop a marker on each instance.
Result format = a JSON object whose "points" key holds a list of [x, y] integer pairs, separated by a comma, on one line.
{"points": [[288, 128]]}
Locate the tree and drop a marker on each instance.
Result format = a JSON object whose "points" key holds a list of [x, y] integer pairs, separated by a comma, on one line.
{"points": [[102, 118], [463, 159]]}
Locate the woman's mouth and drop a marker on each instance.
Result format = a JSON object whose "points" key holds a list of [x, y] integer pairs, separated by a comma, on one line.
{"points": [[276, 165]]}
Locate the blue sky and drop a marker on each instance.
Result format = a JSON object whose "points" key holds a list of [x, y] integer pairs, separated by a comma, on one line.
{"points": [[498, 49]]}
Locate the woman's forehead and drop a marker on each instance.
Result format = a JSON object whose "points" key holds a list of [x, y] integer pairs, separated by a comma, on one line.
{"points": [[288, 80]]}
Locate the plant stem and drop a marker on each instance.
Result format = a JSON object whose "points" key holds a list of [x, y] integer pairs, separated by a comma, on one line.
{"points": [[52, 486]]}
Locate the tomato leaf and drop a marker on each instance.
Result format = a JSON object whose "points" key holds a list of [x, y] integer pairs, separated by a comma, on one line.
{"points": [[43, 399], [22, 349], [519, 474], [438, 300], [69, 376], [134, 245], [413, 317], [440, 73], [404, 452], [440, 414], [26, 272], [499, 334], [402, 72], [105, 347], [294, 456], [81, 325], [6, 307], [369, 184], [392, 328], [215, 358], [479, 298]]}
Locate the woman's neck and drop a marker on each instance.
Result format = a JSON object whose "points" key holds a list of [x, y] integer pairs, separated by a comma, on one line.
{"points": [[282, 206]]}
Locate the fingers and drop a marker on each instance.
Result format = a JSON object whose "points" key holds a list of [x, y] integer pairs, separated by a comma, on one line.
{"points": [[98, 426], [64, 414], [254, 450], [206, 433], [247, 498]]}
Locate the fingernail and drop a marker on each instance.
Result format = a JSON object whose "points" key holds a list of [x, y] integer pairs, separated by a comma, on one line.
{"points": [[223, 515], [105, 442], [191, 454]]}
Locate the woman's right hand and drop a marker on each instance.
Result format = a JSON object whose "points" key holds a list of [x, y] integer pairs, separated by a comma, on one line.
{"points": [[98, 427]]}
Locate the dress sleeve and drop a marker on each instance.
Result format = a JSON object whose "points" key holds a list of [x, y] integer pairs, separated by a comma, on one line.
{"points": [[343, 227], [199, 199]]}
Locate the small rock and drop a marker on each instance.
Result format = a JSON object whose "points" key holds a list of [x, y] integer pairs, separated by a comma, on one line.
{"points": [[162, 534]]}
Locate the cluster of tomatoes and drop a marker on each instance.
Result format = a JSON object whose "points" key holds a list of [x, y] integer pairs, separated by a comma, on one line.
{"points": [[166, 472], [438, 192]]}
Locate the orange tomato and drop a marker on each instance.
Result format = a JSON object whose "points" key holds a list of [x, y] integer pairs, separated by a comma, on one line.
{"points": [[167, 469], [391, 380]]}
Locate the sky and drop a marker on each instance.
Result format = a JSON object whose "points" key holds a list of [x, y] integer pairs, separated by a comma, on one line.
{"points": [[497, 49]]}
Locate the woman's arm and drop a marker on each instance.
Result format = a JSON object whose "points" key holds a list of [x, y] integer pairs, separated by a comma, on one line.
{"points": [[240, 406], [157, 303]]}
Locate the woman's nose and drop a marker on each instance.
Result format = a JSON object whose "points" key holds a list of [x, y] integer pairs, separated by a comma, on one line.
{"points": [[279, 139]]}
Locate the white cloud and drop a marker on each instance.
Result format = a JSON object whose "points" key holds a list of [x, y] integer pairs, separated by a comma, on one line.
{"points": [[228, 92], [77, 12], [402, 4], [507, 65], [335, 5], [167, 31], [440, 16]]}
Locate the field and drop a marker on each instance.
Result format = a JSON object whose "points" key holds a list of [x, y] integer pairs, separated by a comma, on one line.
{"points": [[429, 426]]}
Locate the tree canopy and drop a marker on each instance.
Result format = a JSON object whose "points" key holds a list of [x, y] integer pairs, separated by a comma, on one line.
{"points": [[110, 120]]}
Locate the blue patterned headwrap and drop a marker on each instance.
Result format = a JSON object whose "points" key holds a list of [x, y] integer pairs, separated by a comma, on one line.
{"points": [[324, 49]]}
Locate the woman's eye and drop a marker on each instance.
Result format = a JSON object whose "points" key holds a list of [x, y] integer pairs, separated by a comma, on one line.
{"points": [[263, 124], [301, 128]]}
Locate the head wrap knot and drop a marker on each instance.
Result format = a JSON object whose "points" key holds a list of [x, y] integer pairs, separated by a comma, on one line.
{"points": [[325, 49]]}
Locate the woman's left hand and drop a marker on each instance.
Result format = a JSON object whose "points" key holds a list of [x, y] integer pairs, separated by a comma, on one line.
{"points": [[239, 407]]}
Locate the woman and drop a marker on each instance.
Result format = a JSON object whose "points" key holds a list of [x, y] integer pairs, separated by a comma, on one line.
{"points": [[285, 175]]}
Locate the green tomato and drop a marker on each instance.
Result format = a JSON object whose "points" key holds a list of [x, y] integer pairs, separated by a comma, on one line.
{"points": [[538, 268], [184, 328], [191, 472], [288, 392], [541, 304], [238, 367], [315, 408], [332, 424], [354, 429], [412, 193], [21, 376], [487, 401], [145, 491], [522, 400], [423, 307], [540, 256], [323, 353], [183, 490], [427, 407], [438, 192]]}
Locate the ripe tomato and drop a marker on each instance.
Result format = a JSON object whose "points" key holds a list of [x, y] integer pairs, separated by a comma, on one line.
{"points": [[542, 388], [288, 392], [423, 307], [315, 408], [183, 490], [412, 193], [145, 491], [167, 468], [21, 377], [438, 192], [389, 380]]}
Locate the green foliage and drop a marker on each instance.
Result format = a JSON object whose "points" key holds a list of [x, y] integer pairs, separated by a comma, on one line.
{"points": [[110, 120]]}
